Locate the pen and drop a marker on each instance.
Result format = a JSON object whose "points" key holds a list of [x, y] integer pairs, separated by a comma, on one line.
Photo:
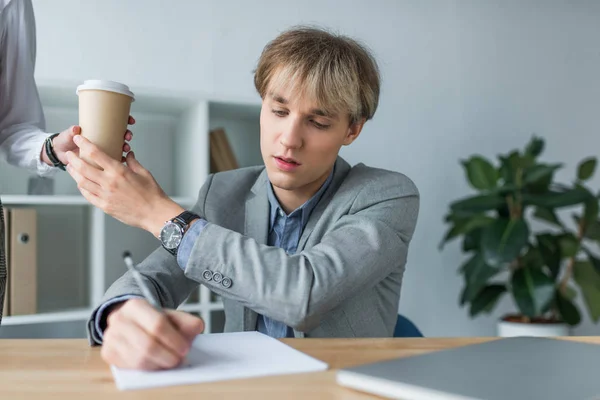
{"points": [[146, 292], [138, 278]]}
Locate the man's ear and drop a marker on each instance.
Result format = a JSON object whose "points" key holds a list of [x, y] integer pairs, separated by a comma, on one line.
{"points": [[353, 131]]}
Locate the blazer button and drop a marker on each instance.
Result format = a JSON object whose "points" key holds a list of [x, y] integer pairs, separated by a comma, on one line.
{"points": [[226, 282], [217, 277], [207, 275]]}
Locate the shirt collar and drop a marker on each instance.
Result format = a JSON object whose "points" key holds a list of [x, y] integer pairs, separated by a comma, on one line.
{"points": [[305, 208]]}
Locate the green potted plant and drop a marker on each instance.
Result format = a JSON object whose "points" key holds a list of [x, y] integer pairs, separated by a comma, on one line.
{"points": [[529, 237]]}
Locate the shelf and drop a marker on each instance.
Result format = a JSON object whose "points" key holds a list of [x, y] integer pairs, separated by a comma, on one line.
{"points": [[60, 316], [83, 314], [79, 246], [57, 200], [44, 200]]}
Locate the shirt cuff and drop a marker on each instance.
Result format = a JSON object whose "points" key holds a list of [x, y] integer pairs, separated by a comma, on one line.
{"points": [[98, 331], [41, 167], [188, 241]]}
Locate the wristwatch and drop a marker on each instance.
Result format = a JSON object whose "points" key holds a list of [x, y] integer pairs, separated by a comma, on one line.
{"points": [[172, 232], [50, 152]]}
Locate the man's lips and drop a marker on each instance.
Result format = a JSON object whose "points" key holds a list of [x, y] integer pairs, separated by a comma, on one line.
{"points": [[288, 160], [286, 164]]}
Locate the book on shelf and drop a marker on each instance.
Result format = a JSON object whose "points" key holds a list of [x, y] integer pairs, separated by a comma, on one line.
{"points": [[5, 308], [222, 157], [21, 261]]}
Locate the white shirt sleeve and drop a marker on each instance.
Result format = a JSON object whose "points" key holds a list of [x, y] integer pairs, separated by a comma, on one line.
{"points": [[22, 121]]}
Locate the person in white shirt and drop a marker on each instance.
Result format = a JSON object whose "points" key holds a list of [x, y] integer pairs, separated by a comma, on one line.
{"points": [[23, 141]]}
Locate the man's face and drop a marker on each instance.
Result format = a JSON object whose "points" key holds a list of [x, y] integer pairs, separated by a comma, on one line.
{"points": [[300, 142]]}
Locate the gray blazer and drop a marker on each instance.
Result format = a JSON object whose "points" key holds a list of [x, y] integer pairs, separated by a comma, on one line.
{"points": [[344, 280]]}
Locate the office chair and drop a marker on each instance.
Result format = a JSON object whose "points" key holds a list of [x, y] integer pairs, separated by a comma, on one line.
{"points": [[406, 328]]}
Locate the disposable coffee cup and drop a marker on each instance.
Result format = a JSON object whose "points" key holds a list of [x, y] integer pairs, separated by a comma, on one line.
{"points": [[104, 109]]}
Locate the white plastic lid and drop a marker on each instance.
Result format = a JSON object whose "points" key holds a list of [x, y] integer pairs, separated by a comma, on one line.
{"points": [[96, 84]]}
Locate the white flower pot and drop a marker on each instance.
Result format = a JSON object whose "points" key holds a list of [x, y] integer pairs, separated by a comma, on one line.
{"points": [[509, 328]]}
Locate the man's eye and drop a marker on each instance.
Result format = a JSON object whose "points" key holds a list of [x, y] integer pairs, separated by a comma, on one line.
{"points": [[320, 126], [279, 113]]}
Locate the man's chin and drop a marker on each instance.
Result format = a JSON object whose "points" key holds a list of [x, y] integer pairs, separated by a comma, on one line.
{"points": [[282, 181]]}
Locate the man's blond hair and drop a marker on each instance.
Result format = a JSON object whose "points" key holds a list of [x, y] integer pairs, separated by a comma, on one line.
{"points": [[336, 71]]}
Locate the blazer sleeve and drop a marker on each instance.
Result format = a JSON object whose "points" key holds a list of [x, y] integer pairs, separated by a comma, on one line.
{"points": [[161, 272], [359, 250]]}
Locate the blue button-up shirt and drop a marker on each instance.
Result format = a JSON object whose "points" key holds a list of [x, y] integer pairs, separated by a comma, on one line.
{"points": [[284, 232]]}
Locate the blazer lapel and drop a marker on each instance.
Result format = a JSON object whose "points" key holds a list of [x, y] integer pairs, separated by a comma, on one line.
{"points": [[256, 226], [339, 174]]}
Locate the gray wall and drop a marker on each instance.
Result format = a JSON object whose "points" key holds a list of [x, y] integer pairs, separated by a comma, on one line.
{"points": [[459, 76]]}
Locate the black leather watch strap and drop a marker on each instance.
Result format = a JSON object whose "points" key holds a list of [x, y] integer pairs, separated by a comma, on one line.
{"points": [[183, 221], [186, 217], [50, 152]]}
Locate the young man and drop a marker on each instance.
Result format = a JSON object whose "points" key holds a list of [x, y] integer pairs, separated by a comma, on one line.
{"points": [[23, 141], [304, 246]]}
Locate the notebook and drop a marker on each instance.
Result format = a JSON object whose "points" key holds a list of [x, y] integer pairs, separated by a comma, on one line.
{"points": [[516, 368], [224, 356]]}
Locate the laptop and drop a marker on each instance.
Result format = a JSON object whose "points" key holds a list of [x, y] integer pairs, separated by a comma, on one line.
{"points": [[516, 368]]}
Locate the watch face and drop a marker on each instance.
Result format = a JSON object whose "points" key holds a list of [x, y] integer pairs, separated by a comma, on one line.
{"points": [[170, 235]]}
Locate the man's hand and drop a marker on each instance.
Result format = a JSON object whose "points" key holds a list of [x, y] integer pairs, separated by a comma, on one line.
{"points": [[63, 143], [139, 337], [129, 192]]}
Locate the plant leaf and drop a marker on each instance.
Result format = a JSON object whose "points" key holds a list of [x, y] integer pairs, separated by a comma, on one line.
{"points": [[588, 280], [592, 228], [466, 225], [550, 251], [533, 291], [569, 245], [567, 310], [539, 172], [509, 166], [535, 146], [556, 199], [590, 213], [476, 204], [481, 173], [532, 258], [503, 241], [471, 240], [476, 274], [547, 215], [570, 293], [593, 259], [486, 299], [586, 168]]}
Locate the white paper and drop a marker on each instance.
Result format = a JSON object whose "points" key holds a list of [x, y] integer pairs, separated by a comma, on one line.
{"points": [[224, 356]]}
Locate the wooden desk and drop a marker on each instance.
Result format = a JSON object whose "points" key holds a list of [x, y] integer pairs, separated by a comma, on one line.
{"points": [[70, 369]]}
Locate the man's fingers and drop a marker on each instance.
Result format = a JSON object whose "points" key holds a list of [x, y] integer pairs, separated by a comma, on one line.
{"points": [[156, 324], [145, 351], [134, 164], [188, 324], [93, 152], [83, 168], [91, 198], [82, 181], [72, 131]]}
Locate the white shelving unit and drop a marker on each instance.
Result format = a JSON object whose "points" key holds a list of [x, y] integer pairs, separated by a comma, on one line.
{"points": [[79, 247]]}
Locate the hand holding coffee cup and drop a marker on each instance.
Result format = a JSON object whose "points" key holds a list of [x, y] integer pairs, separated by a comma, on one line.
{"points": [[104, 108]]}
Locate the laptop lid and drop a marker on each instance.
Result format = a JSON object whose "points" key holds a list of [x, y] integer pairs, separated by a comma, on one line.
{"points": [[517, 368]]}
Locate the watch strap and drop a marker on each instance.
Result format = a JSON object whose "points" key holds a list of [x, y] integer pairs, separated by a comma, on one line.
{"points": [[49, 148], [183, 220], [186, 217]]}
